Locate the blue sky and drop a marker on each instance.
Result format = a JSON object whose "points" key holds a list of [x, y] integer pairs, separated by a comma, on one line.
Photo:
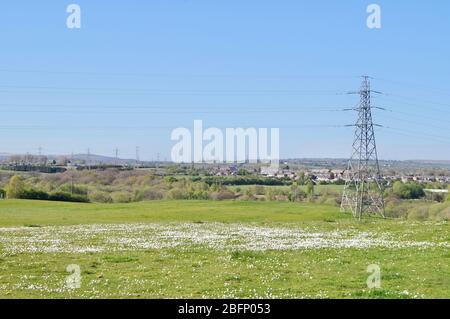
{"points": [[138, 69]]}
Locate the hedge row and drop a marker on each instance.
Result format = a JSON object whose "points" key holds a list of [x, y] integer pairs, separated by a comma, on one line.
{"points": [[58, 196]]}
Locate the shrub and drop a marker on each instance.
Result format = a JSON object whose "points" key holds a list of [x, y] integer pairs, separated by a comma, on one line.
{"points": [[170, 179], [99, 197], [15, 187], [310, 188], [418, 213], [408, 190], [330, 201], [440, 211], [177, 193], [259, 190], [121, 197], [34, 194], [75, 189], [67, 197], [149, 193], [443, 214], [222, 195], [296, 194], [394, 207]]}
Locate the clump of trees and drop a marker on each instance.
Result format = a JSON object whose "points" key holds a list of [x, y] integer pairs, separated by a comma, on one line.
{"points": [[18, 188], [403, 200], [245, 180], [418, 210], [411, 190]]}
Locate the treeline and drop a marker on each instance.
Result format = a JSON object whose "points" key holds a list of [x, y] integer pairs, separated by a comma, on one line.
{"points": [[415, 190], [404, 200], [115, 186], [17, 188], [422, 210], [245, 180]]}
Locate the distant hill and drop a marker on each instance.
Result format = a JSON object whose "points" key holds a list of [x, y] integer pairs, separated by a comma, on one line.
{"points": [[93, 158], [98, 159], [4, 156], [305, 162]]}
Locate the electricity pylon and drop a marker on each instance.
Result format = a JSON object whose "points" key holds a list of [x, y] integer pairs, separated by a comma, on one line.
{"points": [[363, 192]]}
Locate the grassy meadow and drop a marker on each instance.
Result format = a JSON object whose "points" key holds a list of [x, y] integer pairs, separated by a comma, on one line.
{"points": [[216, 249]]}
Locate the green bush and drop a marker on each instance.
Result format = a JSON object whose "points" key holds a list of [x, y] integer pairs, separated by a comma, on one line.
{"points": [[222, 195], [177, 193], [99, 197], [34, 194], [75, 189], [149, 193], [411, 190], [440, 211], [418, 213], [121, 197], [67, 197], [395, 208], [329, 200], [443, 214], [15, 187]]}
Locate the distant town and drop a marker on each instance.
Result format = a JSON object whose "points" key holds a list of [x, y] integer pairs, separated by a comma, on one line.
{"points": [[320, 171]]}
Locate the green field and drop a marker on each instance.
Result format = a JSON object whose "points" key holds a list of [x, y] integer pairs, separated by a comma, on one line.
{"points": [[196, 249]]}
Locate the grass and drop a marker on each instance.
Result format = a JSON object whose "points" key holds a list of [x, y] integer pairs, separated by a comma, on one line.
{"points": [[196, 271], [38, 213]]}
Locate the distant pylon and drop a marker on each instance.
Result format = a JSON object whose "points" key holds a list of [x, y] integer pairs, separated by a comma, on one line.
{"points": [[137, 156], [89, 158], [363, 192], [116, 154]]}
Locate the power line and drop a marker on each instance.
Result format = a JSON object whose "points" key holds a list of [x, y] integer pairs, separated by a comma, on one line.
{"points": [[424, 134], [48, 127], [414, 135], [12, 88], [169, 112], [416, 86], [406, 100], [164, 107], [167, 75], [422, 124]]}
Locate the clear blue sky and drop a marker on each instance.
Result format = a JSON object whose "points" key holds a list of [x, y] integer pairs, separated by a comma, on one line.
{"points": [[138, 69]]}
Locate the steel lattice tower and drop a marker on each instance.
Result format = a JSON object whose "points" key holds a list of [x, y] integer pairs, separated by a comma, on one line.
{"points": [[363, 192]]}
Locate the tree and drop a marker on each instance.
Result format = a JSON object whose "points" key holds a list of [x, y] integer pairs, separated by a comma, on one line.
{"points": [[310, 188], [242, 172], [15, 187], [301, 178], [296, 193], [408, 190]]}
